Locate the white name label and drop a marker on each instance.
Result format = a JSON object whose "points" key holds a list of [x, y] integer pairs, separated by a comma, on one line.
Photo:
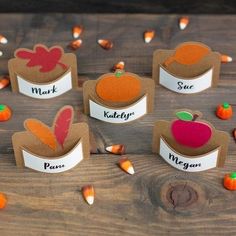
{"points": [[122, 115], [58, 165], [186, 86], [188, 163], [44, 91]]}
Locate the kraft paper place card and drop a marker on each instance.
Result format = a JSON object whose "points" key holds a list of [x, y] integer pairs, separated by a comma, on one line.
{"points": [[190, 68], [118, 97], [189, 143], [43, 72], [52, 150]]}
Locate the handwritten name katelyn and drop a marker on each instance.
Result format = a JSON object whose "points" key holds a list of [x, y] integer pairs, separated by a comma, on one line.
{"points": [[182, 86], [185, 165], [39, 91], [116, 115]]}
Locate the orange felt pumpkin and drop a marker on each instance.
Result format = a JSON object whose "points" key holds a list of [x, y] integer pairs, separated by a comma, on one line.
{"points": [[224, 111], [118, 87], [230, 181], [5, 113]]}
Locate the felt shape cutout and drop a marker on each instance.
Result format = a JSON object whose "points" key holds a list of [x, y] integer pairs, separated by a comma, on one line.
{"points": [[190, 68], [188, 54], [46, 59], [62, 124], [41, 131], [190, 143], [43, 72], [117, 87], [118, 97], [52, 149], [189, 132]]}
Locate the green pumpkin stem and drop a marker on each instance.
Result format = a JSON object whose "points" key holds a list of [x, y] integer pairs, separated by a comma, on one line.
{"points": [[119, 73]]}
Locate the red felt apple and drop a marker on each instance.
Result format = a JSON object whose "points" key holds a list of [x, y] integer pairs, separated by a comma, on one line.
{"points": [[46, 58], [188, 132]]}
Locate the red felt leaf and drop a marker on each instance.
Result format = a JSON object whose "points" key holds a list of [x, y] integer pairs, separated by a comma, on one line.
{"points": [[62, 123], [46, 58]]}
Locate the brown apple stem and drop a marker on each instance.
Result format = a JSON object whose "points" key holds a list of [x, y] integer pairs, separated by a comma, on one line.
{"points": [[195, 116], [64, 67]]}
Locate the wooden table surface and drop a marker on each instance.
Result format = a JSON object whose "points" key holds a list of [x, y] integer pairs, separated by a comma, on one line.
{"points": [[44, 204]]}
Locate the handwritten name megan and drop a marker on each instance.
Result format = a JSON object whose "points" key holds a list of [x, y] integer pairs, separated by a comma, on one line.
{"points": [[185, 165], [39, 91], [116, 115]]}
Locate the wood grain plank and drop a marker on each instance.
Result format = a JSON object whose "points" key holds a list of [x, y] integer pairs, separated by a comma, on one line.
{"points": [[41, 204]]}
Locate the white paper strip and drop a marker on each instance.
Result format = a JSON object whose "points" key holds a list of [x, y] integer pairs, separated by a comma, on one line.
{"points": [[186, 86], [188, 163], [61, 164], [44, 91], [122, 115]]}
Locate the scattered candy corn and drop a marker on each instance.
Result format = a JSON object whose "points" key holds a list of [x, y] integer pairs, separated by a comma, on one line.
{"points": [[119, 66], [226, 58], [126, 165], [75, 44], [183, 22], [3, 40], [88, 193], [4, 81], [3, 200], [1, 53], [230, 181], [105, 44], [149, 35], [5, 113], [118, 149], [77, 30]]}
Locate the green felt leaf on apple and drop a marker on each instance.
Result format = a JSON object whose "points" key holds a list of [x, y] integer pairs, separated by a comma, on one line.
{"points": [[184, 115]]}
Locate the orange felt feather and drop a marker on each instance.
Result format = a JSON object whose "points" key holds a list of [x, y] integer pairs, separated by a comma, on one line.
{"points": [[42, 132]]}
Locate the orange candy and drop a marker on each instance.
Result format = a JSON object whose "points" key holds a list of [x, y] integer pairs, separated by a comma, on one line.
{"points": [[119, 66], [226, 58], [75, 44], [88, 193], [183, 22], [77, 31], [5, 113], [118, 149], [230, 181], [3, 39], [3, 201], [149, 35], [4, 81], [224, 111], [105, 44], [126, 165]]}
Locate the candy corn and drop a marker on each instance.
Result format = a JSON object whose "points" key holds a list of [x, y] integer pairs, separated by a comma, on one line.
{"points": [[119, 66], [4, 81], [3, 40], [226, 58], [3, 200], [117, 149], [88, 193], [77, 30], [126, 165], [75, 44], [105, 44], [183, 22], [1, 53], [149, 35]]}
